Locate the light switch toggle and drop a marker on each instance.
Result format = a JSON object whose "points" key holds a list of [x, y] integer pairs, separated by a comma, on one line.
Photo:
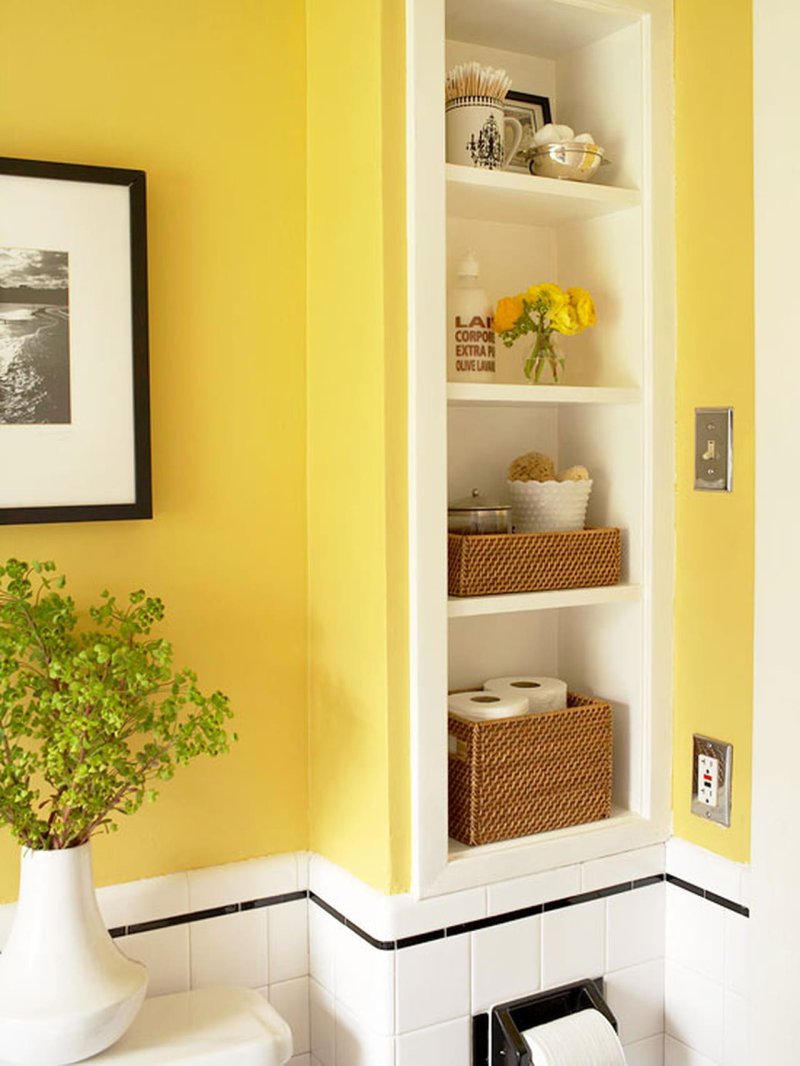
{"points": [[713, 449]]}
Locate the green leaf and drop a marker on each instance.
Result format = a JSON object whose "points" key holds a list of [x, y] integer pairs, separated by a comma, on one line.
{"points": [[89, 717]]}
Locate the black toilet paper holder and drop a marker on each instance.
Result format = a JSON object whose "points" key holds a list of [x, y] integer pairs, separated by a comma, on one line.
{"points": [[510, 1020]]}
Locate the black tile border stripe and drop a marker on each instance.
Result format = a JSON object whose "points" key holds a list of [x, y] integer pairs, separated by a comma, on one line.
{"points": [[707, 894], [434, 934], [203, 915]]}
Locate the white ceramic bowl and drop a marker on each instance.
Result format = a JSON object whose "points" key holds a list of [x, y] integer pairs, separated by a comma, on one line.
{"points": [[547, 506]]}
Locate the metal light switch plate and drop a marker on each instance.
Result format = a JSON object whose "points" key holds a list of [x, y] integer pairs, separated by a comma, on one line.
{"points": [[723, 753], [713, 449]]}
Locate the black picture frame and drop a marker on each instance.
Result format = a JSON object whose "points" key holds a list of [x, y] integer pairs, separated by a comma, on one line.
{"points": [[533, 112], [131, 367]]}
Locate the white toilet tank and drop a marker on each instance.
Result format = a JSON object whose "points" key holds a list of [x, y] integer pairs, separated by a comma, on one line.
{"points": [[230, 1026]]}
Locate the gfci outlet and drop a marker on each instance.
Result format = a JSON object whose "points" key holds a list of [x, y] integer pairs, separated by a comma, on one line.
{"points": [[711, 779]]}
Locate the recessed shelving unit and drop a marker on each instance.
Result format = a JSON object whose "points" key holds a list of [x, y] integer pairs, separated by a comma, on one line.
{"points": [[606, 67]]}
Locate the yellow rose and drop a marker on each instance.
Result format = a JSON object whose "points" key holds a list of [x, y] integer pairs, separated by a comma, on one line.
{"points": [[584, 306], [548, 294], [565, 320], [508, 310]]}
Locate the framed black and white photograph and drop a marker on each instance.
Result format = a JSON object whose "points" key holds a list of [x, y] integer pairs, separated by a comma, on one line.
{"points": [[532, 112], [74, 391]]}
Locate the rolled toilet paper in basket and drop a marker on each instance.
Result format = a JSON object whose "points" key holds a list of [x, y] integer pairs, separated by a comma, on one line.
{"points": [[542, 693], [586, 1038], [481, 706]]}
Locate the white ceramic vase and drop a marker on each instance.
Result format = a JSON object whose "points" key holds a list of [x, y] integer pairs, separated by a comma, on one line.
{"points": [[66, 990]]}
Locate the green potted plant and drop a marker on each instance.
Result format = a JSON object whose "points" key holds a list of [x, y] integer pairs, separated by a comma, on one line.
{"points": [[92, 719]]}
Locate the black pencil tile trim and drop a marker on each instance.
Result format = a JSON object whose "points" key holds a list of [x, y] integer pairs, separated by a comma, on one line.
{"points": [[728, 904], [432, 934], [712, 897], [183, 919], [646, 882], [588, 897], [381, 945], [687, 886], [420, 938], [273, 901], [203, 915]]}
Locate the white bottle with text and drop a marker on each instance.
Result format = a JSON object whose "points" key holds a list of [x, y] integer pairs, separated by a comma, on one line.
{"points": [[470, 337]]}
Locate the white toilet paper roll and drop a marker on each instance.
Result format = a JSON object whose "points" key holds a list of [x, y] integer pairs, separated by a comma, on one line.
{"points": [[542, 693], [586, 1037], [480, 705]]}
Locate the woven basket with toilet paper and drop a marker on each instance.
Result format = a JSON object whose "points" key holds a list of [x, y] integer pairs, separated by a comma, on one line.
{"points": [[526, 760]]}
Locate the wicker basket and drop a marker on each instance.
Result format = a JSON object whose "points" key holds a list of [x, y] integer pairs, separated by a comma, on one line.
{"points": [[494, 563], [512, 777]]}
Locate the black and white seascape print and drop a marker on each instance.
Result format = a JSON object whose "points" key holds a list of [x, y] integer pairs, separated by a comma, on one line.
{"points": [[34, 337]]}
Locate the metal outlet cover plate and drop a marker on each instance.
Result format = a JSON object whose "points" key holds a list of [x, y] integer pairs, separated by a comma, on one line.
{"points": [[713, 449], [722, 751]]}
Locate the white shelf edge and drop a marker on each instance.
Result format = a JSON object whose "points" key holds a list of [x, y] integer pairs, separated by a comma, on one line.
{"points": [[470, 606], [624, 831], [488, 395], [528, 185]]}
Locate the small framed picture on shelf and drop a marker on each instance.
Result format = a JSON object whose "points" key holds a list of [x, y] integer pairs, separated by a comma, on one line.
{"points": [[74, 393], [532, 112]]}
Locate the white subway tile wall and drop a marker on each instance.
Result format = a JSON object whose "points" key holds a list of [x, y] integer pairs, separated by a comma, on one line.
{"points": [[350, 1002], [144, 901], [635, 927], [636, 996], [709, 871], [439, 1045], [537, 888], [364, 981], [433, 983], [706, 1008], [288, 940], [629, 866], [230, 950], [505, 962], [694, 1010], [165, 953], [697, 933], [646, 1052], [217, 886], [291, 1000], [573, 943]]}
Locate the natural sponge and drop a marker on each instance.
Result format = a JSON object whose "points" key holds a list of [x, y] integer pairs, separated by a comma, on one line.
{"points": [[532, 466], [574, 473]]}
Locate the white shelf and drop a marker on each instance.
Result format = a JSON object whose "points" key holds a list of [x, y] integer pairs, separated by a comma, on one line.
{"points": [[507, 196], [469, 606], [623, 831], [478, 395]]}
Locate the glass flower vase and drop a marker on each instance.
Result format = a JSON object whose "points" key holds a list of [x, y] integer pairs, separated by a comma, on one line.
{"points": [[544, 365]]}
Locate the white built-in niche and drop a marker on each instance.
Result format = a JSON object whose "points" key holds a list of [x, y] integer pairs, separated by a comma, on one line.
{"points": [[606, 67]]}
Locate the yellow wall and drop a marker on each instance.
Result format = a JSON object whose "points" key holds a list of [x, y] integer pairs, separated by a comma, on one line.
{"points": [[208, 97], [714, 592], [359, 795]]}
